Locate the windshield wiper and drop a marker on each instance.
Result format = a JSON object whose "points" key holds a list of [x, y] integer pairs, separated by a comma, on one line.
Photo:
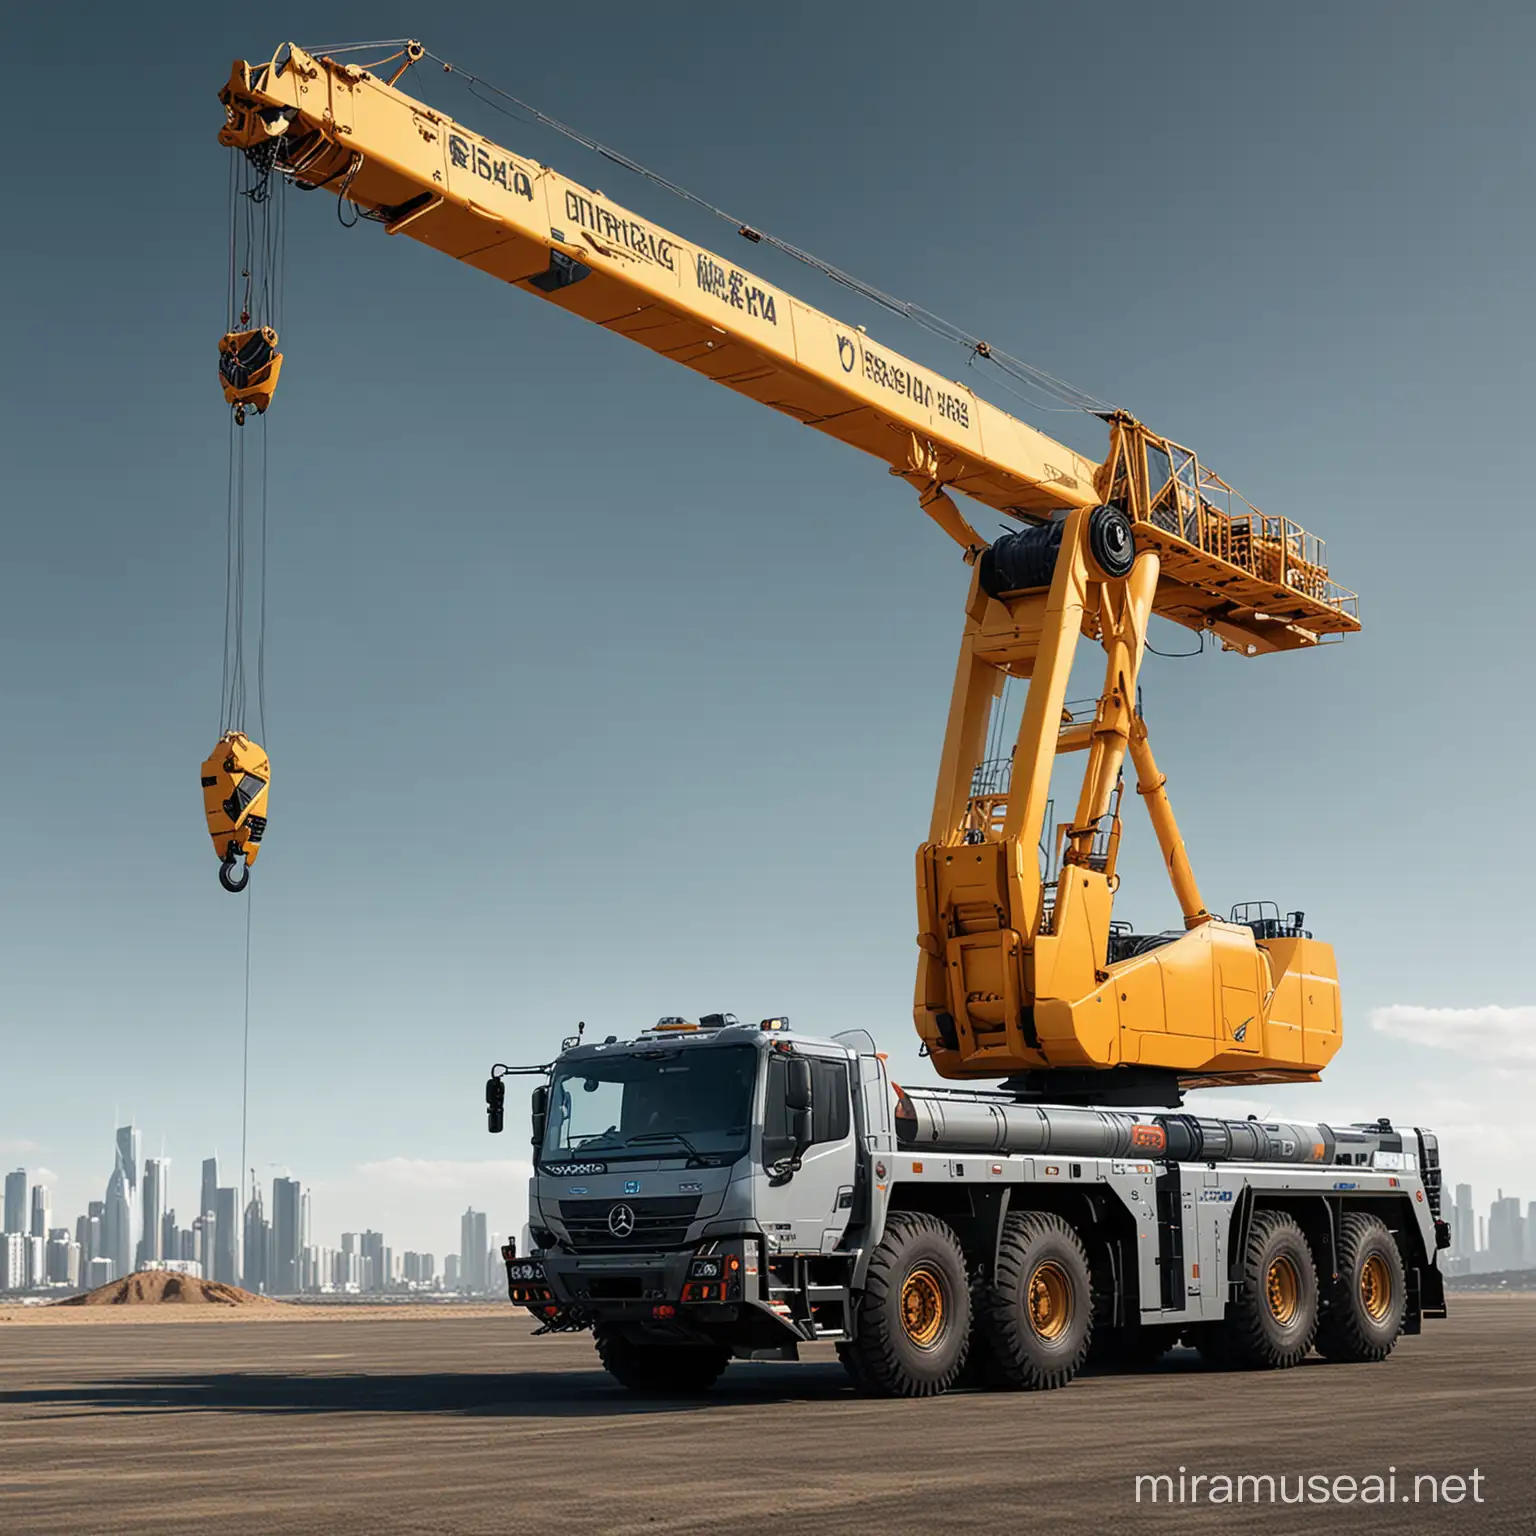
{"points": [[695, 1157]]}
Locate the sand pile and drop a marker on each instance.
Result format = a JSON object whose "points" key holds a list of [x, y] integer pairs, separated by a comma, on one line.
{"points": [[154, 1286]]}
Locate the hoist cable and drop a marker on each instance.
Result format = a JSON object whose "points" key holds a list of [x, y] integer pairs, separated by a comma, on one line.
{"points": [[261, 616], [1073, 399], [245, 1055]]}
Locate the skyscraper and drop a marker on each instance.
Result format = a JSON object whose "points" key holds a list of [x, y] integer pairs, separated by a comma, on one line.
{"points": [[40, 1211], [16, 1201], [208, 1198], [150, 1242], [13, 1261], [120, 1224], [1506, 1246], [255, 1275], [473, 1238], [287, 1227], [374, 1266], [226, 1236], [1463, 1225]]}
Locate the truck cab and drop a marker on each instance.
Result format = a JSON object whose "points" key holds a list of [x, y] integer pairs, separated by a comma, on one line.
{"points": [[701, 1184]]}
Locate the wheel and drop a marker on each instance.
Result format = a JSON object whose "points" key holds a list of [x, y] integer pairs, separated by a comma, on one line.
{"points": [[1131, 1349], [1037, 1315], [914, 1314], [1367, 1301], [659, 1370], [1272, 1318]]}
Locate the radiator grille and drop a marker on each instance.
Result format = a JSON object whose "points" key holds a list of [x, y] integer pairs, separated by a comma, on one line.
{"points": [[660, 1221]]}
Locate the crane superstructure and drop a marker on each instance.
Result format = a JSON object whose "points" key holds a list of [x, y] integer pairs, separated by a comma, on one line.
{"points": [[1023, 974]]}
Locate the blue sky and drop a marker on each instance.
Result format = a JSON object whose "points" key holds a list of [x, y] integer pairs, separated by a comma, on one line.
{"points": [[595, 692]]}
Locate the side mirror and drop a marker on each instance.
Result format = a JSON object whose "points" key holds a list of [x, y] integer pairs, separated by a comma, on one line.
{"points": [[495, 1104], [797, 1086], [540, 1114]]}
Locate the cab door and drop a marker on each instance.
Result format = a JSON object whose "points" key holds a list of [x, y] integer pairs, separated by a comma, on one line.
{"points": [[809, 1211]]}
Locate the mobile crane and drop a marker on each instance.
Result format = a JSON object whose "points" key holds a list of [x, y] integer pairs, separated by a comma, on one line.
{"points": [[909, 1225]]}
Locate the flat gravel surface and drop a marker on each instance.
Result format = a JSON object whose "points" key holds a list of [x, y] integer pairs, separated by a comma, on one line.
{"points": [[443, 1423]]}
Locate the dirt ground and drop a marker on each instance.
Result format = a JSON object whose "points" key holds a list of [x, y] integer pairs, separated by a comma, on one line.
{"points": [[350, 1420]]}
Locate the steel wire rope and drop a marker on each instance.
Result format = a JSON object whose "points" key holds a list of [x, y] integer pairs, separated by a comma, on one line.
{"points": [[261, 615], [1073, 398], [245, 1056]]}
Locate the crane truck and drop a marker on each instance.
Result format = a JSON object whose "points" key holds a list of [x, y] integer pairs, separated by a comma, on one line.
{"points": [[706, 1189]]}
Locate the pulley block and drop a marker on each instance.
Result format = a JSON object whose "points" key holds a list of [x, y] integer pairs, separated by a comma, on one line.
{"points": [[249, 364], [236, 775]]}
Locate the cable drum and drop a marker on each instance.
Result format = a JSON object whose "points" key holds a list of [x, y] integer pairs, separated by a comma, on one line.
{"points": [[1021, 562]]}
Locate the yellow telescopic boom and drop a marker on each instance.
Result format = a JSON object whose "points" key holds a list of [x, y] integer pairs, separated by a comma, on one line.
{"points": [[1020, 973]]}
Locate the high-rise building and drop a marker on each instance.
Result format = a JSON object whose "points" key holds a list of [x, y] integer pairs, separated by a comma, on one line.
{"points": [[13, 1261], [208, 1195], [287, 1225], [40, 1212], [473, 1239], [16, 1201], [226, 1236], [1506, 1238], [37, 1261], [61, 1259], [255, 1275], [120, 1222], [153, 1195], [374, 1266], [451, 1272], [1463, 1225]]}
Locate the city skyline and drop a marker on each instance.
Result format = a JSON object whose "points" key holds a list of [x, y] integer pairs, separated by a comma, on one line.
{"points": [[234, 1240]]}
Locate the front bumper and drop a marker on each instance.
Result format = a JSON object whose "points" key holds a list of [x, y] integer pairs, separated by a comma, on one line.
{"points": [[566, 1289]]}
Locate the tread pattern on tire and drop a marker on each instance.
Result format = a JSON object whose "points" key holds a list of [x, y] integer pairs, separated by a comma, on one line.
{"points": [[1245, 1339], [880, 1359], [660, 1370], [1344, 1334], [1001, 1319]]}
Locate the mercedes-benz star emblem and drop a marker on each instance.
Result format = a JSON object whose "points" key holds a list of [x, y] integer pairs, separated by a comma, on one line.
{"points": [[621, 1221]]}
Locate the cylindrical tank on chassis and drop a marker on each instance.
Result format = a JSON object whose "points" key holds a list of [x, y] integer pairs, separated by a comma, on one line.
{"points": [[957, 1121]]}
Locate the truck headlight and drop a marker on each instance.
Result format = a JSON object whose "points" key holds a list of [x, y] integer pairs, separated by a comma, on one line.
{"points": [[704, 1269], [523, 1269]]}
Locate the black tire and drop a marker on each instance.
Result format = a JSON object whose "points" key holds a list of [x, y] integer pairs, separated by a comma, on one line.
{"points": [[659, 1370], [914, 1314], [1368, 1300], [1272, 1317], [1037, 1312]]}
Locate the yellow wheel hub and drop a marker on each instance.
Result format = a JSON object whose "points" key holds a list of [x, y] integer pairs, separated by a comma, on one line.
{"points": [[1050, 1301], [1282, 1290], [922, 1307], [1376, 1288]]}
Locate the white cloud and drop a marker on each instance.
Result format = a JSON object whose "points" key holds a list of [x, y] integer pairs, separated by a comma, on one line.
{"points": [[1481, 1035]]}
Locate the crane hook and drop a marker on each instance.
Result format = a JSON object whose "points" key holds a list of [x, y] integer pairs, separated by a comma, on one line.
{"points": [[227, 871]]}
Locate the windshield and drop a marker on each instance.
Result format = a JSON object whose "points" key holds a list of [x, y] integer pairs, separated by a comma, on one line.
{"points": [[668, 1102]]}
